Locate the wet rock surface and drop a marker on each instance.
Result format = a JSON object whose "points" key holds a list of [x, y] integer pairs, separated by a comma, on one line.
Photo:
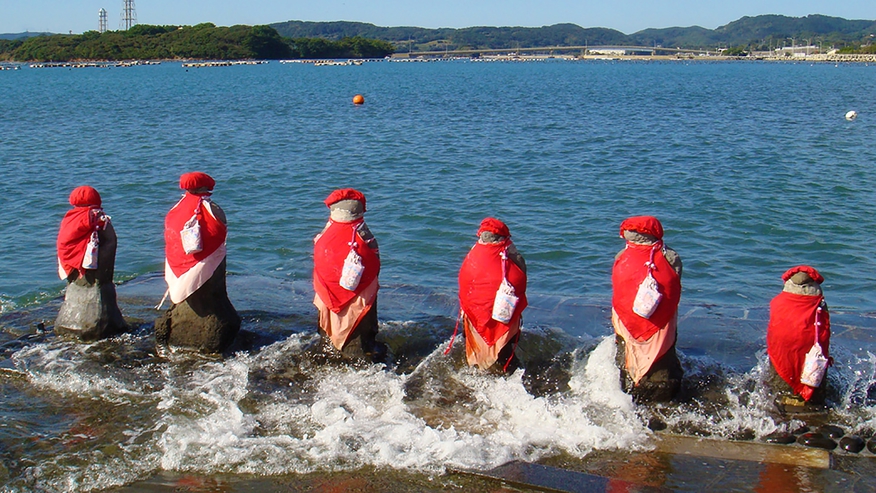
{"points": [[780, 437], [832, 431], [816, 440], [852, 443], [825, 436]]}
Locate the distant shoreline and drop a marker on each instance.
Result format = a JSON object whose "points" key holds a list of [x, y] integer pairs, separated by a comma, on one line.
{"points": [[401, 57], [856, 58], [834, 58]]}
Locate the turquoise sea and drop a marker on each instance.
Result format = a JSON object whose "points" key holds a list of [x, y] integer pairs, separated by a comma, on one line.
{"points": [[751, 167]]}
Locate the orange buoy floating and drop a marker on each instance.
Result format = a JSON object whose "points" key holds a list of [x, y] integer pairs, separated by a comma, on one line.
{"points": [[358, 99]]}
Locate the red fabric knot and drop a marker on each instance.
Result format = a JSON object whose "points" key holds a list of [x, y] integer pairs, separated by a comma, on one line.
{"points": [[195, 180], [84, 196], [810, 271], [345, 194], [648, 225], [495, 226]]}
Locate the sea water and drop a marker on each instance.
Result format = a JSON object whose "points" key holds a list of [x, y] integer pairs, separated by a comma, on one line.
{"points": [[750, 166]]}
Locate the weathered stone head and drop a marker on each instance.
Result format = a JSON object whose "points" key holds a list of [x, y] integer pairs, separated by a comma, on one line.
{"points": [[346, 205], [804, 280], [493, 230]]}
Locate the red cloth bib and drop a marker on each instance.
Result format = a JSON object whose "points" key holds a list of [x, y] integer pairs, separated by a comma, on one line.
{"points": [[791, 334], [73, 236], [213, 233], [628, 272], [329, 253], [479, 279]]}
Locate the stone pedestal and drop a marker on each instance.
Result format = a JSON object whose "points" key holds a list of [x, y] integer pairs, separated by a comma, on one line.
{"points": [[507, 352], [90, 310], [206, 321], [787, 401], [660, 384], [362, 345]]}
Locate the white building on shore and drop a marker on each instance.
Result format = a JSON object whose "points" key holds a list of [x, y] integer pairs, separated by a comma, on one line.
{"points": [[797, 51]]}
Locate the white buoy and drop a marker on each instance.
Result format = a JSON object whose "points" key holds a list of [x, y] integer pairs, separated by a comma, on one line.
{"points": [[851, 115]]}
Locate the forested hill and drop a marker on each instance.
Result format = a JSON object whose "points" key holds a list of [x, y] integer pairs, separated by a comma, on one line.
{"points": [[757, 32], [419, 38], [202, 41], [24, 35]]}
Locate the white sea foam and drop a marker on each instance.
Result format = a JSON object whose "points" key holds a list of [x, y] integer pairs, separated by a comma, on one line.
{"points": [[359, 418], [858, 379], [742, 405], [6, 304], [251, 413], [95, 472], [64, 366]]}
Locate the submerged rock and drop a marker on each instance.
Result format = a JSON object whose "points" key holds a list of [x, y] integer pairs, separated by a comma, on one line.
{"points": [[801, 430], [743, 435], [656, 424], [852, 443], [871, 445], [781, 437], [816, 440]]}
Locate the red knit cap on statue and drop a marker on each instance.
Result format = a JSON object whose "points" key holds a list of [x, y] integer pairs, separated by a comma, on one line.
{"points": [[83, 196], [648, 225], [345, 194], [195, 180], [810, 271], [494, 226]]}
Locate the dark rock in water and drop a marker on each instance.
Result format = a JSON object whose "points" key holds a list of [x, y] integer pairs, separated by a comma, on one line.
{"points": [[547, 366], [831, 431], [698, 431], [801, 430], [781, 437], [206, 321], [871, 445], [90, 310], [744, 435], [816, 440], [852, 443], [656, 424]]}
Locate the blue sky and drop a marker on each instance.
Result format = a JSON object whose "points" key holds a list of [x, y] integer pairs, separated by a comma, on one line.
{"points": [[627, 16]]}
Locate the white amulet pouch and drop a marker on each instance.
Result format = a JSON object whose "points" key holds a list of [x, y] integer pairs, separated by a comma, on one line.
{"points": [[89, 260], [814, 367], [191, 236], [647, 297], [505, 303], [351, 274]]}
